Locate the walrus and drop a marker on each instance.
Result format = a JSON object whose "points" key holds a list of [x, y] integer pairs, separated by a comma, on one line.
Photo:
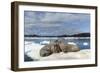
{"points": [[68, 47], [50, 48], [56, 47], [46, 50]]}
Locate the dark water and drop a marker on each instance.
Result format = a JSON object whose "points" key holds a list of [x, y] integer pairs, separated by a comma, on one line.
{"points": [[81, 42]]}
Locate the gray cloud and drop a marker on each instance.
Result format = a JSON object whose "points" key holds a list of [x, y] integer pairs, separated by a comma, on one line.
{"points": [[55, 22]]}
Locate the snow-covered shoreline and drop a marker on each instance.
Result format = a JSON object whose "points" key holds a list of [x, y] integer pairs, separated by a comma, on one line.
{"points": [[33, 51]]}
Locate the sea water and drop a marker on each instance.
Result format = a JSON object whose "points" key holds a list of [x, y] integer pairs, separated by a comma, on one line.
{"points": [[82, 42]]}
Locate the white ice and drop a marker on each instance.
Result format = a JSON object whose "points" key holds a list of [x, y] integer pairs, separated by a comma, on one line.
{"points": [[85, 43], [44, 42], [33, 50]]}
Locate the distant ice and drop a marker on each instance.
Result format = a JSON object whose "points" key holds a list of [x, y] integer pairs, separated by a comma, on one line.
{"points": [[72, 43], [45, 42], [85, 43]]}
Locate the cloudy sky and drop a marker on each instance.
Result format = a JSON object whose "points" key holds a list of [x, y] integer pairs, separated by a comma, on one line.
{"points": [[55, 23]]}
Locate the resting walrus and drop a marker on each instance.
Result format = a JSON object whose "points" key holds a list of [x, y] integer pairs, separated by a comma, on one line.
{"points": [[68, 47], [46, 51], [50, 48], [56, 47]]}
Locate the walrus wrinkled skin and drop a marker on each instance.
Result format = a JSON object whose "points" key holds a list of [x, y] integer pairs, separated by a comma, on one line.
{"points": [[70, 48], [57, 47]]}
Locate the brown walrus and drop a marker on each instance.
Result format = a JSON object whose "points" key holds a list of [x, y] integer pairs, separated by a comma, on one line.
{"points": [[50, 48], [56, 47], [46, 50], [68, 47]]}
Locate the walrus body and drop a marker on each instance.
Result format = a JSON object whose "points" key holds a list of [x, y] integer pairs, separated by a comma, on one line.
{"points": [[49, 49], [56, 47], [46, 51], [69, 48]]}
